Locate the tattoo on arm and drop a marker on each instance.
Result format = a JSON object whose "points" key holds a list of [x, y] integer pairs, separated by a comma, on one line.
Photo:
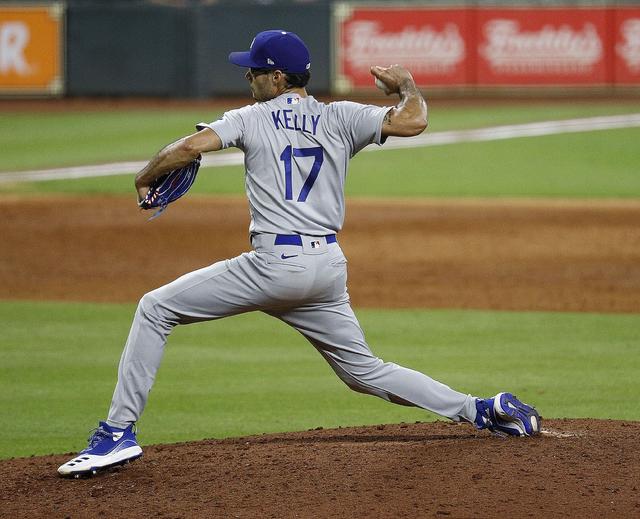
{"points": [[409, 116], [410, 95]]}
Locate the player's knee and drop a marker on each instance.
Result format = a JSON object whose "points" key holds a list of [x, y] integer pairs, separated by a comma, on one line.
{"points": [[361, 377], [354, 384], [354, 381], [150, 308]]}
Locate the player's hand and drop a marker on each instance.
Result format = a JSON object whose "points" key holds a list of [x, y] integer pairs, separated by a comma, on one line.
{"points": [[392, 77], [142, 192]]}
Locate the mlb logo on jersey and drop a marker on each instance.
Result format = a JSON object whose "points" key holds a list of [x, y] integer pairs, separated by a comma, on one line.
{"points": [[315, 244], [293, 100]]}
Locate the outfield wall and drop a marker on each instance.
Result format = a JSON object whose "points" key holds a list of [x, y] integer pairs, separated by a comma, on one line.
{"points": [[149, 49], [166, 51]]}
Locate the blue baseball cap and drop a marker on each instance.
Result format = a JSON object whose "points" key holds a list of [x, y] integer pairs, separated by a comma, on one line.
{"points": [[281, 50]]}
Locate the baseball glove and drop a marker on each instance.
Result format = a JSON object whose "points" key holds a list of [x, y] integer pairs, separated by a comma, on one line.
{"points": [[168, 188]]}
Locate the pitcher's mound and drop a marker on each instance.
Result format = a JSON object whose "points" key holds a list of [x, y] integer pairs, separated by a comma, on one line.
{"points": [[576, 468]]}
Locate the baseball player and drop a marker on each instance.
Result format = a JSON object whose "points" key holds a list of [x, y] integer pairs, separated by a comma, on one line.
{"points": [[297, 150]]}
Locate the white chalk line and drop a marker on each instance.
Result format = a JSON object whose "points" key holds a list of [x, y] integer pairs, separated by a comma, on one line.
{"points": [[512, 131], [558, 434]]}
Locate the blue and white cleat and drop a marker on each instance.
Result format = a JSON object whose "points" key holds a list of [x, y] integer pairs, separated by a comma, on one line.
{"points": [[505, 414], [108, 447]]}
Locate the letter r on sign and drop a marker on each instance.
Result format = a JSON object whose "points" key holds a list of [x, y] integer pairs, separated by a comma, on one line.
{"points": [[14, 37]]}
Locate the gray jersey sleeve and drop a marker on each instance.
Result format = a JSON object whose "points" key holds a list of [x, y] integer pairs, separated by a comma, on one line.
{"points": [[230, 128], [361, 124]]}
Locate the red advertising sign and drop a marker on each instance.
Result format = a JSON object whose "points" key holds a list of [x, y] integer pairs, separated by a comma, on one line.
{"points": [[475, 46], [542, 46], [432, 43], [627, 46]]}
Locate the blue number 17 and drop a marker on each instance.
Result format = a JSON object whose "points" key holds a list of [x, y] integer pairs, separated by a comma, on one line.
{"points": [[318, 156]]}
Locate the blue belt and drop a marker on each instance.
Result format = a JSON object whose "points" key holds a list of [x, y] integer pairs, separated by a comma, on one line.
{"points": [[295, 239]]}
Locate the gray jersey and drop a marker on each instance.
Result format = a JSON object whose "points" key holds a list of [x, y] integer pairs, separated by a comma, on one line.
{"points": [[297, 150], [296, 156]]}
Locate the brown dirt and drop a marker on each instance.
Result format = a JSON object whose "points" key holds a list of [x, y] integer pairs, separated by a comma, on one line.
{"points": [[509, 255], [520, 255], [582, 468]]}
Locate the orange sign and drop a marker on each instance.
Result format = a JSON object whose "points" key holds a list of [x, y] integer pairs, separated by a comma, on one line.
{"points": [[31, 49]]}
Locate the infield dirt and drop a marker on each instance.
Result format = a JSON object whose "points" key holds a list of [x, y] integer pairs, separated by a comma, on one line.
{"points": [[509, 255]]}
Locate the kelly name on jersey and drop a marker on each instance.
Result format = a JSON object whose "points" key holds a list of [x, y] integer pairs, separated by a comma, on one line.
{"points": [[288, 120]]}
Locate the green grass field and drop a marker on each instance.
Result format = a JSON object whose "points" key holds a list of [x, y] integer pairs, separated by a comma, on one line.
{"points": [[594, 164], [229, 378], [58, 360], [583, 165], [45, 140]]}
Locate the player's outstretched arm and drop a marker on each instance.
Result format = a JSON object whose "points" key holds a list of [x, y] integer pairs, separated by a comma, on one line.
{"points": [[175, 155], [409, 116]]}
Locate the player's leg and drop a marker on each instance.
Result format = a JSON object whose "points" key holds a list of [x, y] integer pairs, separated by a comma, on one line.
{"points": [[331, 326], [225, 288], [335, 332]]}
